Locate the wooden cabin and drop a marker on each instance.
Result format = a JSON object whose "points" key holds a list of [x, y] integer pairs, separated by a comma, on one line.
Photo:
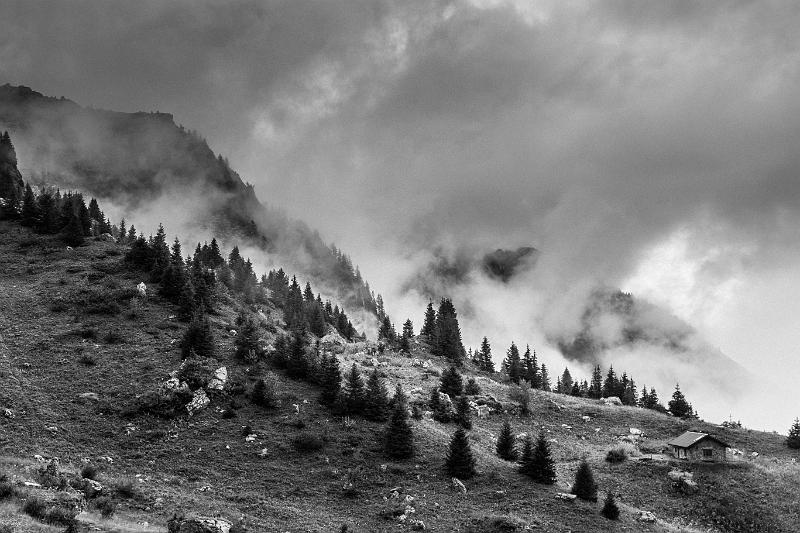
{"points": [[695, 446]]}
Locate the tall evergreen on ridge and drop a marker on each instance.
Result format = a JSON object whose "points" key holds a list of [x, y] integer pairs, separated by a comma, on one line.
{"points": [[678, 405], [485, 357], [544, 378], [448, 334], [512, 365], [596, 385], [460, 463], [408, 334], [429, 325], [793, 439], [566, 382], [246, 342], [505, 446], [30, 208], [451, 382], [354, 392]]}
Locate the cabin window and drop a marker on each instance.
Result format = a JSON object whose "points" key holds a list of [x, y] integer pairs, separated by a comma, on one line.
{"points": [[708, 453]]}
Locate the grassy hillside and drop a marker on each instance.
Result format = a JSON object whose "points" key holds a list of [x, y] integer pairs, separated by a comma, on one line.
{"points": [[71, 323]]}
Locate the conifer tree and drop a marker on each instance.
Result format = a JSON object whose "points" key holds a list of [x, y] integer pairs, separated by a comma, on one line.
{"points": [[544, 377], [584, 487], [30, 208], [429, 325], [610, 509], [441, 409], [408, 334], [472, 388], [793, 439], [596, 386], [354, 392], [376, 401], [331, 379], [460, 463], [536, 461], [399, 397], [73, 231], [264, 394], [186, 301], [49, 218], [505, 446], [678, 405], [199, 337], [610, 384], [451, 382], [566, 382], [246, 342], [123, 232], [463, 417], [399, 439], [531, 368], [512, 365], [297, 362]]}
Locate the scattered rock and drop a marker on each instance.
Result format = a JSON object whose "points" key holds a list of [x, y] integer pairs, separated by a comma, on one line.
{"points": [[8, 413], [250, 438], [612, 400], [687, 486], [565, 426], [92, 488], [458, 486], [39, 458], [107, 237], [199, 401], [90, 396], [647, 516], [566, 496], [677, 475], [201, 524], [31, 484], [219, 380], [586, 418], [417, 525], [754, 455], [635, 431], [52, 429], [141, 288]]}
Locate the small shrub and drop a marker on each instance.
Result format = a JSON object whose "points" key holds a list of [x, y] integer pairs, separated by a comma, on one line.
{"points": [[163, 405], [106, 506], [198, 371], [113, 337], [521, 394], [87, 359], [89, 472], [6, 489], [263, 393], [416, 412], [59, 306], [610, 509], [35, 507], [307, 442], [60, 515], [85, 333], [617, 455], [472, 388], [126, 488]]}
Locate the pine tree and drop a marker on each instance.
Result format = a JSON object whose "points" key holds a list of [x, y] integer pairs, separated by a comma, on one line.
{"points": [[354, 392], [408, 334], [610, 384], [246, 342], [429, 325], [30, 208], [49, 219], [512, 365], [544, 378], [297, 362], [472, 388], [441, 409], [198, 337], [793, 440], [331, 379], [376, 401], [123, 232], [399, 439], [610, 509], [505, 446], [678, 405], [566, 382], [531, 366], [264, 394], [73, 231], [596, 386], [451, 382], [186, 302], [584, 487], [448, 334], [460, 463], [536, 461], [463, 417]]}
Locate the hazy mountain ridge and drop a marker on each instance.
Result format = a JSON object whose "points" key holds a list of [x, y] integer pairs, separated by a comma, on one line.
{"points": [[134, 159]]}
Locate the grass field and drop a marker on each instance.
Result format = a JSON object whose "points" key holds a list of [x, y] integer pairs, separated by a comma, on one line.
{"points": [[71, 323]]}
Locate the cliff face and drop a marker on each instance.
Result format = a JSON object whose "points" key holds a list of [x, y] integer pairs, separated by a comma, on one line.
{"points": [[136, 159]]}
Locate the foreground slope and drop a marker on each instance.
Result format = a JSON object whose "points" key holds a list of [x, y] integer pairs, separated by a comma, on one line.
{"points": [[61, 338]]}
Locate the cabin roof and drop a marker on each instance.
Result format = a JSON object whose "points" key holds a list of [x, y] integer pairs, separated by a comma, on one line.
{"points": [[690, 438]]}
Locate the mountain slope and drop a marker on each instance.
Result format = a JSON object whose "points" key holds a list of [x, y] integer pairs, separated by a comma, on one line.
{"points": [[205, 463], [134, 160]]}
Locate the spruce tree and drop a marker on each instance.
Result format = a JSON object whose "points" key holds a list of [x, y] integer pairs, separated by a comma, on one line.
{"points": [[297, 362], [544, 377], [331, 379], [486, 362], [448, 334], [451, 382], [264, 394], [376, 400], [505, 446], [399, 439], [531, 368], [354, 392], [793, 440], [566, 382], [440, 408], [186, 301], [584, 487], [73, 231], [429, 325], [537, 462], [472, 388], [460, 463], [596, 386], [678, 405], [246, 342], [30, 208], [463, 417], [199, 337], [512, 365], [610, 509]]}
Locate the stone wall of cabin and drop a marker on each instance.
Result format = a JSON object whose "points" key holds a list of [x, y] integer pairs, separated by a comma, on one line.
{"points": [[695, 452]]}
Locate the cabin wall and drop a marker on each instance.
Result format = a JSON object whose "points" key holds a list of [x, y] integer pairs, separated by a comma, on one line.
{"points": [[697, 451]]}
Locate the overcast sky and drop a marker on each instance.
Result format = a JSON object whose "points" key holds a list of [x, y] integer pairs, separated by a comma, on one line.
{"points": [[649, 145]]}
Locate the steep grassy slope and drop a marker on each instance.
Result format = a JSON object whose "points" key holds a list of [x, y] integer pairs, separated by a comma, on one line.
{"points": [[61, 310]]}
